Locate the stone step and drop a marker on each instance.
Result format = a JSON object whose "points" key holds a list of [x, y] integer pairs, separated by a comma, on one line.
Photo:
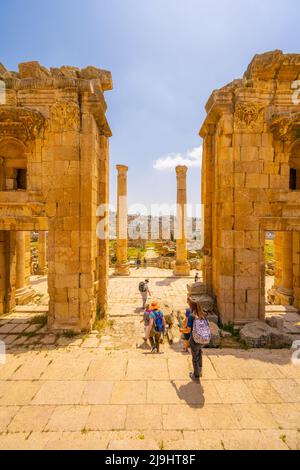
{"points": [[31, 309]]}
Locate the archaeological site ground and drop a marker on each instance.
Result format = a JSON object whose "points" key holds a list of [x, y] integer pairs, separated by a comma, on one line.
{"points": [[75, 372], [149, 231]]}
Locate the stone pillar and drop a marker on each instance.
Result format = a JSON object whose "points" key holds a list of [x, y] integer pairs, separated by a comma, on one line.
{"points": [[278, 259], [285, 291], [42, 253], [296, 268], [24, 292], [103, 241], [182, 267], [20, 264], [122, 265], [7, 271]]}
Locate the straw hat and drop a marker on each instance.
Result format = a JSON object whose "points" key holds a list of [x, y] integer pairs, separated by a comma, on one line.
{"points": [[154, 306]]}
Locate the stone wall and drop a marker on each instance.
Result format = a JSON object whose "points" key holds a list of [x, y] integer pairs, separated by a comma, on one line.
{"points": [[251, 127], [58, 119]]}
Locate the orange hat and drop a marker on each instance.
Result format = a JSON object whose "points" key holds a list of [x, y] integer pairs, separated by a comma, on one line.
{"points": [[154, 306]]}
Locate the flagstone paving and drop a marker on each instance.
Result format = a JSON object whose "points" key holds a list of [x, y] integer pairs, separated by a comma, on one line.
{"points": [[109, 392]]}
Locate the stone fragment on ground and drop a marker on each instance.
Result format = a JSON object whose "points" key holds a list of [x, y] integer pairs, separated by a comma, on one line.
{"points": [[260, 335]]}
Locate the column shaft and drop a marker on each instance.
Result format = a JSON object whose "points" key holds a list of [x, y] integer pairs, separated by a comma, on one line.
{"points": [[122, 265], [21, 260], [285, 291], [182, 267], [42, 253]]}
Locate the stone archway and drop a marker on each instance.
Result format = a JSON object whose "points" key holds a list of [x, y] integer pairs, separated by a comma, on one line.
{"points": [[58, 118]]}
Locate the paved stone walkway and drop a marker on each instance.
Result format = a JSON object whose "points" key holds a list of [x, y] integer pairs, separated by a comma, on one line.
{"points": [[111, 393]]}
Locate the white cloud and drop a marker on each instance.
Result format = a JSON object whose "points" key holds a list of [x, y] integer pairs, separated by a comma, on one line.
{"points": [[192, 158]]}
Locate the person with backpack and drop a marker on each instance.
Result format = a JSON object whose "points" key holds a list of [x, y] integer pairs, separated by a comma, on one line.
{"points": [[144, 291], [138, 263], [185, 331], [198, 326], [146, 321], [157, 327]]}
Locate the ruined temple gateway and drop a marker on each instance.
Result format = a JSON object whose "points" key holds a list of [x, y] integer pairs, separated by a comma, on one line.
{"points": [[54, 167], [251, 184]]}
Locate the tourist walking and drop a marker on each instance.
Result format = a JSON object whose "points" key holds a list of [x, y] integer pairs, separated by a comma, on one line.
{"points": [[157, 327], [138, 263], [145, 263], [144, 291], [146, 321], [200, 336], [185, 331]]}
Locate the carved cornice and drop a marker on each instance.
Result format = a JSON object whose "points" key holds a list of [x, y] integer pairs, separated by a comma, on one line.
{"points": [[23, 123]]}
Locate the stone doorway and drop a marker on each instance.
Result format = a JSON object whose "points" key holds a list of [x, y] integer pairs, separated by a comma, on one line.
{"points": [[282, 290]]}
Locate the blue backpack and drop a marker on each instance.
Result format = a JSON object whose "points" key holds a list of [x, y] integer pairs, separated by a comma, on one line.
{"points": [[159, 323]]}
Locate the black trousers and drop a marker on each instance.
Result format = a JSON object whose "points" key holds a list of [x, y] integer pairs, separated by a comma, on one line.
{"points": [[196, 357]]}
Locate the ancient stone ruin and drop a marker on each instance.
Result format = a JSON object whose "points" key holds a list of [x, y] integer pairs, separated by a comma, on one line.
{"points": [[250, 185], [54, 167]]}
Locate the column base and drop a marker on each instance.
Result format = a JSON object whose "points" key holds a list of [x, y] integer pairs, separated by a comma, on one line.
{"points": [[284, 296], [25, 295], [182, 269], [122, 269]]}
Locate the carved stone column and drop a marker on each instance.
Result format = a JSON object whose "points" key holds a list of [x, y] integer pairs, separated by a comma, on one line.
{"points": [[285, 291], [122, 265], [182, 267], [20, 260], [24, 292], [42, 253]]}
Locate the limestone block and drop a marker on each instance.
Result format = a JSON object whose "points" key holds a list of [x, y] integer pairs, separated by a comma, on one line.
{"points": [[215, 335], [266, 154], [276, 322], [251, 140], [259, 335], [267, 140], [246, 282], [197, 288], [279, 182], [252, 239], [256, 180], [32, 70], [249, 154], [243, 208], [225, 154], [250, 167], [239, 180], [271, 168], [246, 223]]}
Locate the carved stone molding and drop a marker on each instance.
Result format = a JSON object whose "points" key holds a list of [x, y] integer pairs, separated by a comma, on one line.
{"points": [[248, 116], [65, 116], [282, 125], [23, 123]]}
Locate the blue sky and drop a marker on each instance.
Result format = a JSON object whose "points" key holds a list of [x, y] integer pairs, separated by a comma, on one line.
{"points": [[166, 57]]}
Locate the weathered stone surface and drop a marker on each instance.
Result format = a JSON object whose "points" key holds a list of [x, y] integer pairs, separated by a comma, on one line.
{"points": [[260, 335], [250, 179], [54, 170], [215, 335], [197, 288]]}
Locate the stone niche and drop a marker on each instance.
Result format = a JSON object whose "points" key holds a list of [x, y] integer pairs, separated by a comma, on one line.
{"points": [[54, 169], [250, 185]]}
